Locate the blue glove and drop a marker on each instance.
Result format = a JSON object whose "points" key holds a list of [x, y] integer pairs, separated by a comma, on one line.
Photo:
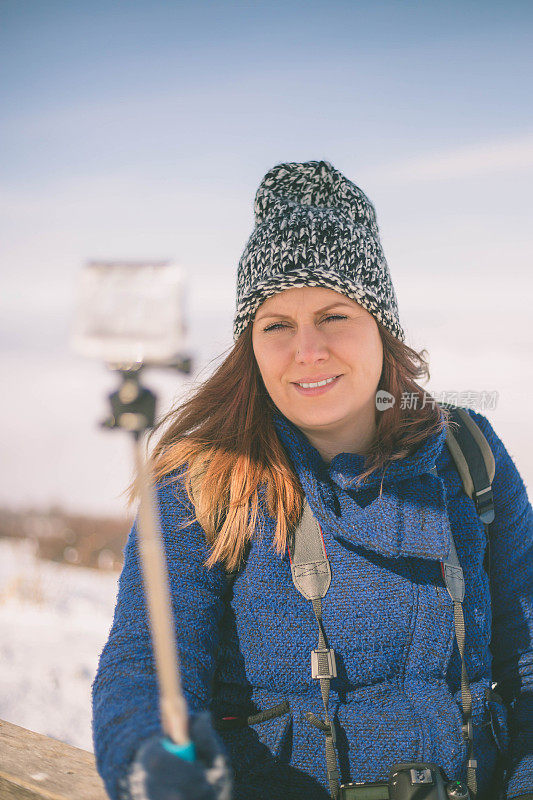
{"points": [[158, 773]]}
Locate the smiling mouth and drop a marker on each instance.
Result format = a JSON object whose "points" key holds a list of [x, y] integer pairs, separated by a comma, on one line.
{"points": [[317, 384]]}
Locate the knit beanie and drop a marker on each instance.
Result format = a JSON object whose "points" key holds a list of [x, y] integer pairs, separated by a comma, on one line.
{"points": [[314, 227]]}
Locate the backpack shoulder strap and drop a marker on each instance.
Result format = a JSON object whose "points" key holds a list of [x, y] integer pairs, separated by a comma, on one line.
{"points": [[475, 463], [474, 460]]}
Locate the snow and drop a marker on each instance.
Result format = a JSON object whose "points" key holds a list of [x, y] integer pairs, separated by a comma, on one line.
{"points": [[54, 621]]}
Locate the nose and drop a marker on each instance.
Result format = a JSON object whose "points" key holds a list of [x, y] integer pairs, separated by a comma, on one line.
{"points": [[310, 345]]}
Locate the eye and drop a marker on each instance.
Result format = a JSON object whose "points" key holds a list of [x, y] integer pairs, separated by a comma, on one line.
{"points": [[334, 316], [276, 326]]}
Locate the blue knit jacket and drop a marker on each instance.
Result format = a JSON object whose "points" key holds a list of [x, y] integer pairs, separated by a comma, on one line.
{"points": [[388, 617]]}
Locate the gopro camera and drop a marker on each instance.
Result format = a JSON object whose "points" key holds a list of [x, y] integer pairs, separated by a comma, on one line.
{"points": [[131, 312]]}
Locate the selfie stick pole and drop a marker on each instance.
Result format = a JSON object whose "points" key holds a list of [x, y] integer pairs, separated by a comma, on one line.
{"points": [[133, 409]]}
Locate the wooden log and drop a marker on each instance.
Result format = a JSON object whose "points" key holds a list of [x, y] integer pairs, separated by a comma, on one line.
{"points": [[36, 767]]}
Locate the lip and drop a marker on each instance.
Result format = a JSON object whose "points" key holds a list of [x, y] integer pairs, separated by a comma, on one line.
{"points": [[316, 378], [318, 389]]}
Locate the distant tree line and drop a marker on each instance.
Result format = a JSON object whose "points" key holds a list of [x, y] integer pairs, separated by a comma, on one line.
{"points": [[82, 540]]}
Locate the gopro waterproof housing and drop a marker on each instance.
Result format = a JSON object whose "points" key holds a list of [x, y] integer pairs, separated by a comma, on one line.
{"points": [[131, 313]]}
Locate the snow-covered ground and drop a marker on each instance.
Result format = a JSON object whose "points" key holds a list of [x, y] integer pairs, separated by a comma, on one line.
{"points": [[54, 621]]}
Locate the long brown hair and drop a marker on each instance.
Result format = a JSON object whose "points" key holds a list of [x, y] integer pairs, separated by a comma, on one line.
{"points": [[225, 446]]}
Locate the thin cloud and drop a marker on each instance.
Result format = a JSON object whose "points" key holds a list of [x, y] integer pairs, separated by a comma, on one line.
{"points": [[463, 162]]}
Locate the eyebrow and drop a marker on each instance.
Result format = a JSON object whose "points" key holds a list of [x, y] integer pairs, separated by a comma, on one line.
{"points": [[318, 311]]}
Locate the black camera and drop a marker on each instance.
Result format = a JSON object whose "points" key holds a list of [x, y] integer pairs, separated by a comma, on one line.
{"points": [[410, 780], [421, 781]]}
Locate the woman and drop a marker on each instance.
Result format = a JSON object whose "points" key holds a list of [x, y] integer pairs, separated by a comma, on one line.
{"points": [[289, 421]]}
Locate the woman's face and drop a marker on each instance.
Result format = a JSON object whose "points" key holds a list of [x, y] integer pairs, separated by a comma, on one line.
{"points": [[312, 335]]}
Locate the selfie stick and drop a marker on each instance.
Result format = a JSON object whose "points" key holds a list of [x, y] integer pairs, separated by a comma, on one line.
{"points": [[133, 410], [130, 315]]}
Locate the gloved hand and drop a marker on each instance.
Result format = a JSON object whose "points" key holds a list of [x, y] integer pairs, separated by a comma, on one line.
{"points": [[158, 774]]}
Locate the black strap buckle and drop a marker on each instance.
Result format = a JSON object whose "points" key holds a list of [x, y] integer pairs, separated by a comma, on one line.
{"points": [[484, 501]]}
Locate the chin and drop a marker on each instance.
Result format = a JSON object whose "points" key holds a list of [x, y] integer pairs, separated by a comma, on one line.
{"points": [[317, 419]]}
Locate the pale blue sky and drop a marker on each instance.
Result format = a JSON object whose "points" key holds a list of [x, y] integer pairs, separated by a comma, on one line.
{"points": [[171, 87], [142, 129]]}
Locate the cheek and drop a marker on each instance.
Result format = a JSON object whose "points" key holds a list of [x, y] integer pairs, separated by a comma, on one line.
{"points": [[364, 354], [272, 365]]}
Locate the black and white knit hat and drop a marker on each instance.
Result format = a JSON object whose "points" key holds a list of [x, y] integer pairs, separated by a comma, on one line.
{"points": [[314, 227]]}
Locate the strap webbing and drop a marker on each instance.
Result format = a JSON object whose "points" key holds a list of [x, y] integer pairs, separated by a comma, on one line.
{"points": [[455, 584], [311, 575], [329, 730], [466, 698]]}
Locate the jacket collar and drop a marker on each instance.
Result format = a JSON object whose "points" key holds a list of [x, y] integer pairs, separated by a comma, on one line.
{"points": [[407, 515]]}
